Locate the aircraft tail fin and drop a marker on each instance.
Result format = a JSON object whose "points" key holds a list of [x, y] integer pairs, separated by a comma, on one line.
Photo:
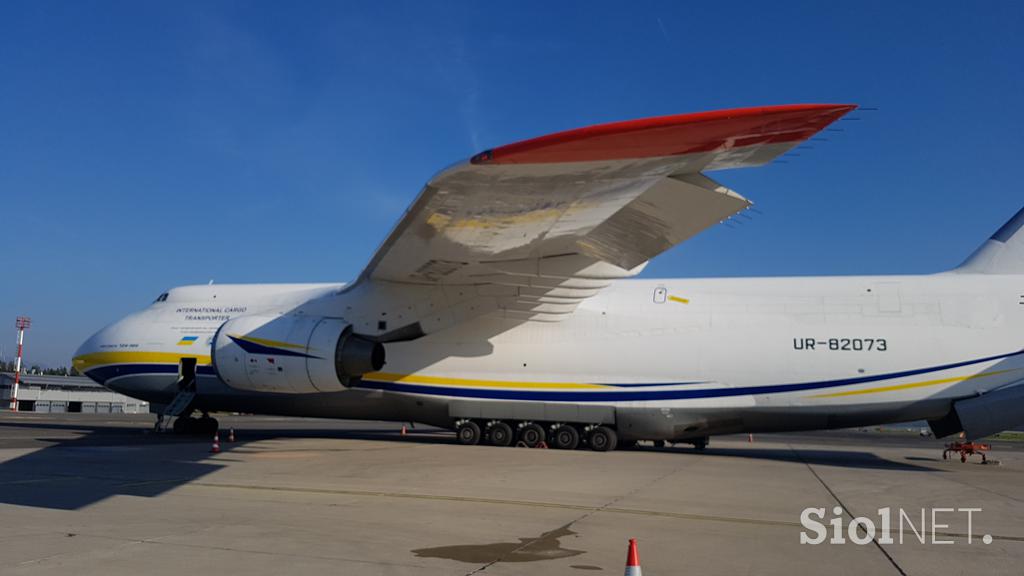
{"points": [[1003, 253]]}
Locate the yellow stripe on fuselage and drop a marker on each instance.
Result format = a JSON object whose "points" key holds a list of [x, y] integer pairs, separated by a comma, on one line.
{"points": [[88, 361], [438, 381], [896, 387]]}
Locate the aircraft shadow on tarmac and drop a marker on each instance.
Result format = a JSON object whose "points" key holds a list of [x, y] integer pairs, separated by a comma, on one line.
{"points": [[105, 461], [820, 457]]}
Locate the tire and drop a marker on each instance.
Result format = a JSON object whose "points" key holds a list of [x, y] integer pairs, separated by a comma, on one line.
{"points": [[602, 439], [208, 426], [532, 435], [658, 443], [700, 444], [500, 434], [188, 426], [182, 425], [468, 433], [565, 437]]}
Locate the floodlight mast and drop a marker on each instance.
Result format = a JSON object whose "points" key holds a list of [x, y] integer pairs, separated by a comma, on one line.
{"points": [[22, 323]]}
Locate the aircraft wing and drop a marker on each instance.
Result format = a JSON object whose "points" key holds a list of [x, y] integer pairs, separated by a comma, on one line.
{"points": [[530, 229]]}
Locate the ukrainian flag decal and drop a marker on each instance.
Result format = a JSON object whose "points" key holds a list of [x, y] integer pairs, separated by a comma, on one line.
{"points": [[187, 340]]}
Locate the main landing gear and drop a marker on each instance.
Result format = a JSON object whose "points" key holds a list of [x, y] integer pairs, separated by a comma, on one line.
{"points": [[531, 435], [560, 435], [565, 437], [468, 433]]}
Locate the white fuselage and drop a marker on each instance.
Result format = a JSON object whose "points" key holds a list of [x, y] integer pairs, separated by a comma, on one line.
{"points": [[674, 357]]}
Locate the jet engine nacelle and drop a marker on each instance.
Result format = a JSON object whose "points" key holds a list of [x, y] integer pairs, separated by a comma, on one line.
{"points": [[292, 354]]}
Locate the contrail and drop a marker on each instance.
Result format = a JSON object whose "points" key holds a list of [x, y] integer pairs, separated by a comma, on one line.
{"points": [[664, 33]]}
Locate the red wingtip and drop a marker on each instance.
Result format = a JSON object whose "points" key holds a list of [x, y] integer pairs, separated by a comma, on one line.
{"points": [[632, 558], [671, 135]]}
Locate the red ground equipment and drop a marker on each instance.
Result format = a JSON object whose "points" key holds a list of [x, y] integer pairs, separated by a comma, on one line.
{"points": [[965, 449]]}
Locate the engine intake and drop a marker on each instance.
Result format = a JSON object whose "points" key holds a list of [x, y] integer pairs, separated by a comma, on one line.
{"points": [[292, 354]]}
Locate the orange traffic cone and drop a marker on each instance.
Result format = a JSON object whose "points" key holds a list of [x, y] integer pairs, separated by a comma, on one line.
{"points": [[231, 434], [404, 431], [216, 444], [633, 560]]}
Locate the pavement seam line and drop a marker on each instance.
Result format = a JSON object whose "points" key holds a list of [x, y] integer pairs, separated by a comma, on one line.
{"points": [[845, 508]]}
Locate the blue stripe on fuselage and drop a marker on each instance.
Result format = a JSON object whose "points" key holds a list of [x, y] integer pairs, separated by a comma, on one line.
{"points": [[631, 395], [104, 373]]}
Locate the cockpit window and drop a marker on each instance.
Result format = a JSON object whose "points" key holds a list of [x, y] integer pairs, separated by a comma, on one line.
{"points": [[161, 298]]}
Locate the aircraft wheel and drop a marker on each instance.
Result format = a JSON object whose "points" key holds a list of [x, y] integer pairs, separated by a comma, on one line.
{"points": [[700, 444], [193, 426], [207, 426], [500, 434], [602, 439], [468, 433], [183, 425], [531, 435], [565, 438], [658, 443]]}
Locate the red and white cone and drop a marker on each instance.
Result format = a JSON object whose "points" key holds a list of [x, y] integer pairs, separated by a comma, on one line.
{"points": [[404, 431], [215, 449], [231, 435], [633, 560]]}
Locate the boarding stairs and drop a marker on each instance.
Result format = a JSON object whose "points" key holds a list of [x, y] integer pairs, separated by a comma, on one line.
{"points": [[180, 405]]}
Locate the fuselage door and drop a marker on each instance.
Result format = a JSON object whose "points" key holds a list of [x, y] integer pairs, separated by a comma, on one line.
{"points": [[660, 294]]}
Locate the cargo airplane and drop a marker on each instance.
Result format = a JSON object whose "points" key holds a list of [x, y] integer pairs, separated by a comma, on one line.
{"points": [[501, 307]]}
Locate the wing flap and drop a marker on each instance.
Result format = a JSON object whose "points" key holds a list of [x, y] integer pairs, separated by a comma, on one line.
{"points": [[668, 213]]}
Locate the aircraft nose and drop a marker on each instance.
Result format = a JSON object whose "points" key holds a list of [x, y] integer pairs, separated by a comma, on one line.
{"points": [[85, 355], [94, 351]]}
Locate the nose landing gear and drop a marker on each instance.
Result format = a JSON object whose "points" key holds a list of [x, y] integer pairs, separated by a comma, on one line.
{"points": [[205, 426]]}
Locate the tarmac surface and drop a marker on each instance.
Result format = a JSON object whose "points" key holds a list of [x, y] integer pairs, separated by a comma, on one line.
{"points": [[98, 494]]}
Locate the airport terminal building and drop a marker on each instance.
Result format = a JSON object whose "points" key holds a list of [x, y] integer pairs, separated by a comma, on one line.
{"points": [[66, 394]]}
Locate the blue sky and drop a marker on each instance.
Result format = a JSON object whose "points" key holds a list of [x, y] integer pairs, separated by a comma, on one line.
{"points": [[145, 145]]}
